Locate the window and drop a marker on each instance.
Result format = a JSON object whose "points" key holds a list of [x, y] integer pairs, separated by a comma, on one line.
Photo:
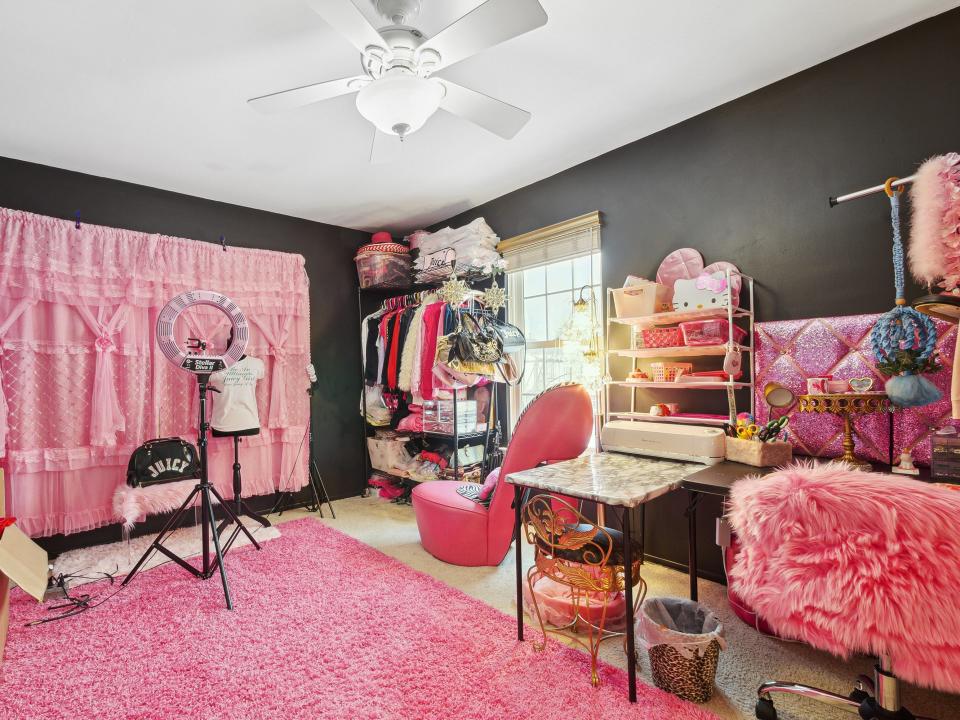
{"points": [[546, 271]]}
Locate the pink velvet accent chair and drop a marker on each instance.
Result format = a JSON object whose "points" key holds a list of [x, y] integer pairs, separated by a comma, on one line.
{"points": [[555, 426]]}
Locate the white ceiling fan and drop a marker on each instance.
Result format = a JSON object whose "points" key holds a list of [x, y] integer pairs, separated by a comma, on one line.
{"points": [[396, 91]]}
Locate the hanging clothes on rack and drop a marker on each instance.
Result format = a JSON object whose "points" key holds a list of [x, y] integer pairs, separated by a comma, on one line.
{"points": [[369, 347], [411, 347]]}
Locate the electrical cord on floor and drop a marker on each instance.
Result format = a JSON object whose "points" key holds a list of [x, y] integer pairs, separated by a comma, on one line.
{"points": [[77, 604]]}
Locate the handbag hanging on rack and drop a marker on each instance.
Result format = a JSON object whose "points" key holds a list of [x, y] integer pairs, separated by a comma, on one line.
{"points": [[475, 340], [514, 344]]}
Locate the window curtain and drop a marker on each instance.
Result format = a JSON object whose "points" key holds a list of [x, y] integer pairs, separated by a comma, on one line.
{"points": [[83, 383]]}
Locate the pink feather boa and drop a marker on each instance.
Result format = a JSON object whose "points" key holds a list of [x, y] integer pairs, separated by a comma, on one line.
{"points": [[852, 562], [935, 230], [131, 504]]}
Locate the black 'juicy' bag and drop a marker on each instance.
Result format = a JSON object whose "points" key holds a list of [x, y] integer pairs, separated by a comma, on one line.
{"points": [[163, 460]]}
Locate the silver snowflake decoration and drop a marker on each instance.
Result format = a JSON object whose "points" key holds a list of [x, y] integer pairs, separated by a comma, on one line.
{"points": [[495, 297], [454, 291]]}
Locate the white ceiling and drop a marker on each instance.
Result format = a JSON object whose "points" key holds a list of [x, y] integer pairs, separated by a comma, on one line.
{"points": [[154, 93]]}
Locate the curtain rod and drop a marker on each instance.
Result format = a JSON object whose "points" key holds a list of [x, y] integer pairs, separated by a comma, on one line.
{"points": [[834, 201]]}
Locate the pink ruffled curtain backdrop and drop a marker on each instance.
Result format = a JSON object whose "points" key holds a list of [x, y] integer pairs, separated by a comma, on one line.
{"points": [[82, 381]]}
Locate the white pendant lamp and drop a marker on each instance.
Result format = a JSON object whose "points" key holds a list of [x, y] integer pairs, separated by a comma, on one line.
{"points": [[399, 103]]}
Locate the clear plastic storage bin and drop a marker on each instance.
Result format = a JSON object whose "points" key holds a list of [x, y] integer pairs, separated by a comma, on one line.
{"points": [[384, 270], [438, 416]]}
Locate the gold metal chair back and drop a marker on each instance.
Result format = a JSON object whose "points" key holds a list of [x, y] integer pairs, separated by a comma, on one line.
{"points": [[558, 533]]}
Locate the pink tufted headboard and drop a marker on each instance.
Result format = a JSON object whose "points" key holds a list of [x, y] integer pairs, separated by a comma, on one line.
{"points": [[790, 351]]}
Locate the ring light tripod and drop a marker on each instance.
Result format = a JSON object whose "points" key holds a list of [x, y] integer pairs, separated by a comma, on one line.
{"points": [[202, 365]]}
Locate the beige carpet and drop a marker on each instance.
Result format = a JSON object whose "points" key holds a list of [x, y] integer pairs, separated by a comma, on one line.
{"points": [[749, 660]]}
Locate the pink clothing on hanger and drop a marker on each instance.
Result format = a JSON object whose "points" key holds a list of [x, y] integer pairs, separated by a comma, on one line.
{"points": [[432, 317]]}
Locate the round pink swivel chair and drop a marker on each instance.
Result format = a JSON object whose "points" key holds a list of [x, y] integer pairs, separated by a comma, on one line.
{"points": [[555, 426], [853, 562]]}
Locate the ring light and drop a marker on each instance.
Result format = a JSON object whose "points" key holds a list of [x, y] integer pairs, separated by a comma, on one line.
{"points": [[189, 359]]}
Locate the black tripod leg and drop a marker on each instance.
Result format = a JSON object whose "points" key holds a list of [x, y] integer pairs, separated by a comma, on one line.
{"points": [[314, 474], [323, 489], [280, 505], [232, 517], [216, 545], [168, 526], [245, 509]]}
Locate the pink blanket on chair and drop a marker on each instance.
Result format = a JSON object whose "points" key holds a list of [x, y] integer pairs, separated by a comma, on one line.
{"points": [[850, 562]]}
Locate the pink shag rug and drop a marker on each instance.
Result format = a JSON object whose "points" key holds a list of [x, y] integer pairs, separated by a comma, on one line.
{"points": [[324, 627], [849, 561]]}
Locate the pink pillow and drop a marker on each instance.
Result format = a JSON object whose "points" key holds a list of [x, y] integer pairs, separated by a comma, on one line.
{"points": [[486, 492], [411, 423]]}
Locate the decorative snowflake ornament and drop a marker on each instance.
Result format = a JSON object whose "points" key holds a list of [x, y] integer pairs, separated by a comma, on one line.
{"points": [[495, 297], [454, 291]]}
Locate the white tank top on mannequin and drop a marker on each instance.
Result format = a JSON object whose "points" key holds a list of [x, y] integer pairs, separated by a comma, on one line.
{"points": [[235, 407]]}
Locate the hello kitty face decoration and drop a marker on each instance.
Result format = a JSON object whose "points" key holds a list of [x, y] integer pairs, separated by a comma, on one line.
{"points": [[706, 291], [687, 264]]}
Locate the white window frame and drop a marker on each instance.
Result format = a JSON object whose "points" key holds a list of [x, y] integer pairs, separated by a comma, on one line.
{"points": [[568, 240]]}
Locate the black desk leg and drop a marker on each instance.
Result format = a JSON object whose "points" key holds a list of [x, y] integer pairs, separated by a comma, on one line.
{"points": [[518, 549], [692, 541], [628, 591]]}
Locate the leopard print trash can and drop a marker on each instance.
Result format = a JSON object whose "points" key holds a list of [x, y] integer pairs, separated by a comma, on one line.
{"points": [[688, 678], [683, 640]]}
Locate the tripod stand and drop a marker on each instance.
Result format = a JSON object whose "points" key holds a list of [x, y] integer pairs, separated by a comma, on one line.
{"points": [[317, 489], [207, 493]]}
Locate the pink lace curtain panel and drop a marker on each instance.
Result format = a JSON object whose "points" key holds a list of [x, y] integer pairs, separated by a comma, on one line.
{"points": [[82, 382]]}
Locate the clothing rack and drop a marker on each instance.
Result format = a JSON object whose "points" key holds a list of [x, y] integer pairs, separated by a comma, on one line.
{"points": [[416, 298], [899, 183], [471, 306], [400, 301]]}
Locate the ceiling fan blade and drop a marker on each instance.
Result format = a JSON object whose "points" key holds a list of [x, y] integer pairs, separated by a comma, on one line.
{"points": [[489, 24], [385, 148], [306, 95], [489, 113], [344, 17]]}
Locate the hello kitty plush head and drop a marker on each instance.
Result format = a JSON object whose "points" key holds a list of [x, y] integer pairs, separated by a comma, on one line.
{"points": [[707, 290], [687, 264]]}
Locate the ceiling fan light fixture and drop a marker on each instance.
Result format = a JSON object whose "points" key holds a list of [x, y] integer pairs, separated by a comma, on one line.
{"points": [[399, 104]]}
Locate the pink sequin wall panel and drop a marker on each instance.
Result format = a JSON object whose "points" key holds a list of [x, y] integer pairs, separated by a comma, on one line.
{"points": [[790, 351]]}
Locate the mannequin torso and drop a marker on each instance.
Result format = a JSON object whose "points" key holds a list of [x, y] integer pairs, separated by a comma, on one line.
{"points": [[235, 406]]}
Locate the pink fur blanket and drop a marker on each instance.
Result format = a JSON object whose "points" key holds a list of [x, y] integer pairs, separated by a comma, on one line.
{"points": [[849, 561], [935, 230], [130, 504]]}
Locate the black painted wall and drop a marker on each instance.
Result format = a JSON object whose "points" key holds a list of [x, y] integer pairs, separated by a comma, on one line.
{"points": [[329, 254], [748, 182]]}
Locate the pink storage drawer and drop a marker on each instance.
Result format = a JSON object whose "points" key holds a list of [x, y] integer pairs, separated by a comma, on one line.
{"points": [[710, 332]]}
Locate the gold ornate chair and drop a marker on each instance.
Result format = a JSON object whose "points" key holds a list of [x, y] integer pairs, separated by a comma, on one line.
{"points": [[583, 556]]}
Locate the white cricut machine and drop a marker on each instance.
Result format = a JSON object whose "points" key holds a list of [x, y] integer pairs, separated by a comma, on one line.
{"points": [[660, 439]]}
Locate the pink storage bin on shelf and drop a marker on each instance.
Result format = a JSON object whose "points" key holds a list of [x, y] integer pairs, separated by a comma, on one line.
{"points": [[668, 371], [710, 332], [661, 337]]}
